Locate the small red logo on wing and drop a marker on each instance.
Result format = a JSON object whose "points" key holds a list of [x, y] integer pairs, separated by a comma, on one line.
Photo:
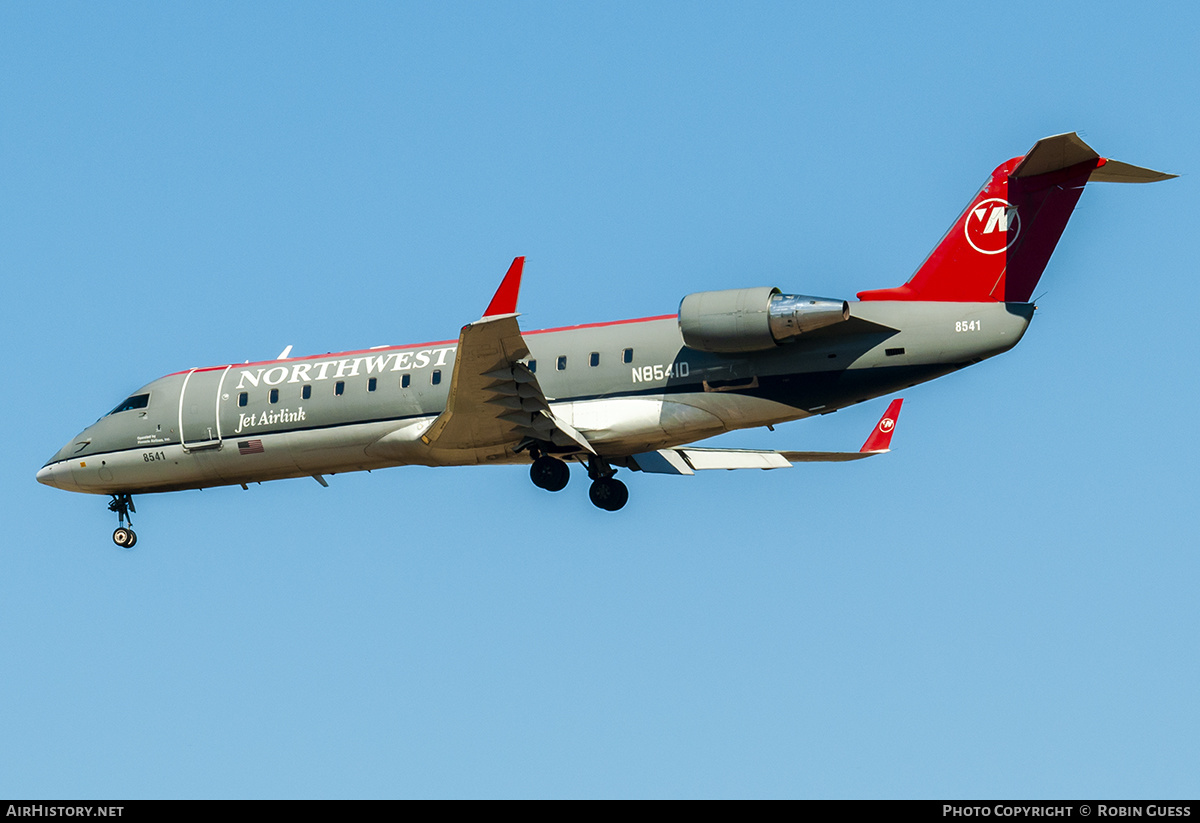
{"points": [[992, 225], [887, 424]]}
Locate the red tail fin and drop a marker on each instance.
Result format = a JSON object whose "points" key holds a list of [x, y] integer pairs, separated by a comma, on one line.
{"points": [[999, 246]]}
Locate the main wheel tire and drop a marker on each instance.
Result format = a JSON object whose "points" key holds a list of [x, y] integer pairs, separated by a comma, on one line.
{"points": [[125, 538], [549, 473], [609, 493]]}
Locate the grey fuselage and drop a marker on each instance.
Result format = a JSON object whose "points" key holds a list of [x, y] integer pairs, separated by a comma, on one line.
{"points": [[367, 409]]}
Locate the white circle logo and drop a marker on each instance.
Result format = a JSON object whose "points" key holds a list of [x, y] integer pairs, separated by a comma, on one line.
{"points": [[992, 225], [886, 425]]}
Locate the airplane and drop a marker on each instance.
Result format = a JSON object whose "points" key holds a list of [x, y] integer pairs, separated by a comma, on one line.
{"points": [[629, 394]]}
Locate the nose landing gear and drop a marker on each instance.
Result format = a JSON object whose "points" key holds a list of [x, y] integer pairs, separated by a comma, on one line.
{"points": [[124, 536]]}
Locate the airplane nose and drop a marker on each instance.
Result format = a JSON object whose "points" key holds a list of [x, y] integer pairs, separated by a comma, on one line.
{"points": [[45, 476], [57, 471], [58, 475]]}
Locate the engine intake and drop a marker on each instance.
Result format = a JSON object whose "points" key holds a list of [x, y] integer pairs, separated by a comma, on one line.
{"points": [[741, 320]]}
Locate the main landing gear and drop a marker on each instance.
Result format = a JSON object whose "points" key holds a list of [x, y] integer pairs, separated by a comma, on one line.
{"points": [[124, 536], [549, 473], [606, 492]]}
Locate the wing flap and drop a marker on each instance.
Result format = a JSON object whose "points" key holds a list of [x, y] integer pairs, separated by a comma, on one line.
{"points": [[663, 461], [690, 461], [702, 459]]}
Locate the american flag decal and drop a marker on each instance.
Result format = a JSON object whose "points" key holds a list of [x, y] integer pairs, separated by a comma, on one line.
{"points": [[250, 447]]}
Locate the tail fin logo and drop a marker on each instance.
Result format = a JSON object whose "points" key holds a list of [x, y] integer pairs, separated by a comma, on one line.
{"points": [[887, 424], [992, 226]]}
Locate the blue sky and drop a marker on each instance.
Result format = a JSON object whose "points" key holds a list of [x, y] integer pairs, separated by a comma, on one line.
{"points": [[1003, 606]]}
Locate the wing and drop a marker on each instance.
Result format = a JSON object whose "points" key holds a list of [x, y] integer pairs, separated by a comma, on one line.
{"points": [[494, 398], [690, 460]]}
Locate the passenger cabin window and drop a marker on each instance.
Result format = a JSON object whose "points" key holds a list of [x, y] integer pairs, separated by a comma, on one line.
{"points": [[243, 399], [595, 358], [138, 401], [274, 395], [405, 380], [306, 392], [371, 384], [437, 376], [339, 388], [562, 362], [627, 356]]}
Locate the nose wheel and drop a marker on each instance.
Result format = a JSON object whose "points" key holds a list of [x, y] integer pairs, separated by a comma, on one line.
{"points": [[124, 536]]}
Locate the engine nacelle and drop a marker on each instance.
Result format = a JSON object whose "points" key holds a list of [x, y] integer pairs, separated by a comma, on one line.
{"points": [[739, 320]]}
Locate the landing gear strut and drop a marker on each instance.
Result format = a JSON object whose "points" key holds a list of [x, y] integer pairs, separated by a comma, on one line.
{"points": [[124, 536], [607, 492]]}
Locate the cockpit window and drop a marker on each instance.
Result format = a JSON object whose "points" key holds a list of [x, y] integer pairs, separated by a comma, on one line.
{"points": [[138, 401]]}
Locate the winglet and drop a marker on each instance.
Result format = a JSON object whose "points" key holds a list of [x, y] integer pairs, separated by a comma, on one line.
{"points": [[881, 435], [505, 299]]}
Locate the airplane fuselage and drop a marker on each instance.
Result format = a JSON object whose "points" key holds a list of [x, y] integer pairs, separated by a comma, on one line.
{"points": [[627, 386], [623, 395]]}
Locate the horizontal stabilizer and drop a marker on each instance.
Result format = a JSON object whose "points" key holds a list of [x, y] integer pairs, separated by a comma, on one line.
{"points": [[1055, 153], [1062, 151], [1114, 171]]}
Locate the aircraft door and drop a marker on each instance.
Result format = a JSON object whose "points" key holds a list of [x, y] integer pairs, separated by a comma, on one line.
{"points": [[199, 408]]}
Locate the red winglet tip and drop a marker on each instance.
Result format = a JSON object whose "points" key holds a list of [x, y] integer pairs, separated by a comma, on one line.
{"points": [[881, 435], [504, 301]]}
